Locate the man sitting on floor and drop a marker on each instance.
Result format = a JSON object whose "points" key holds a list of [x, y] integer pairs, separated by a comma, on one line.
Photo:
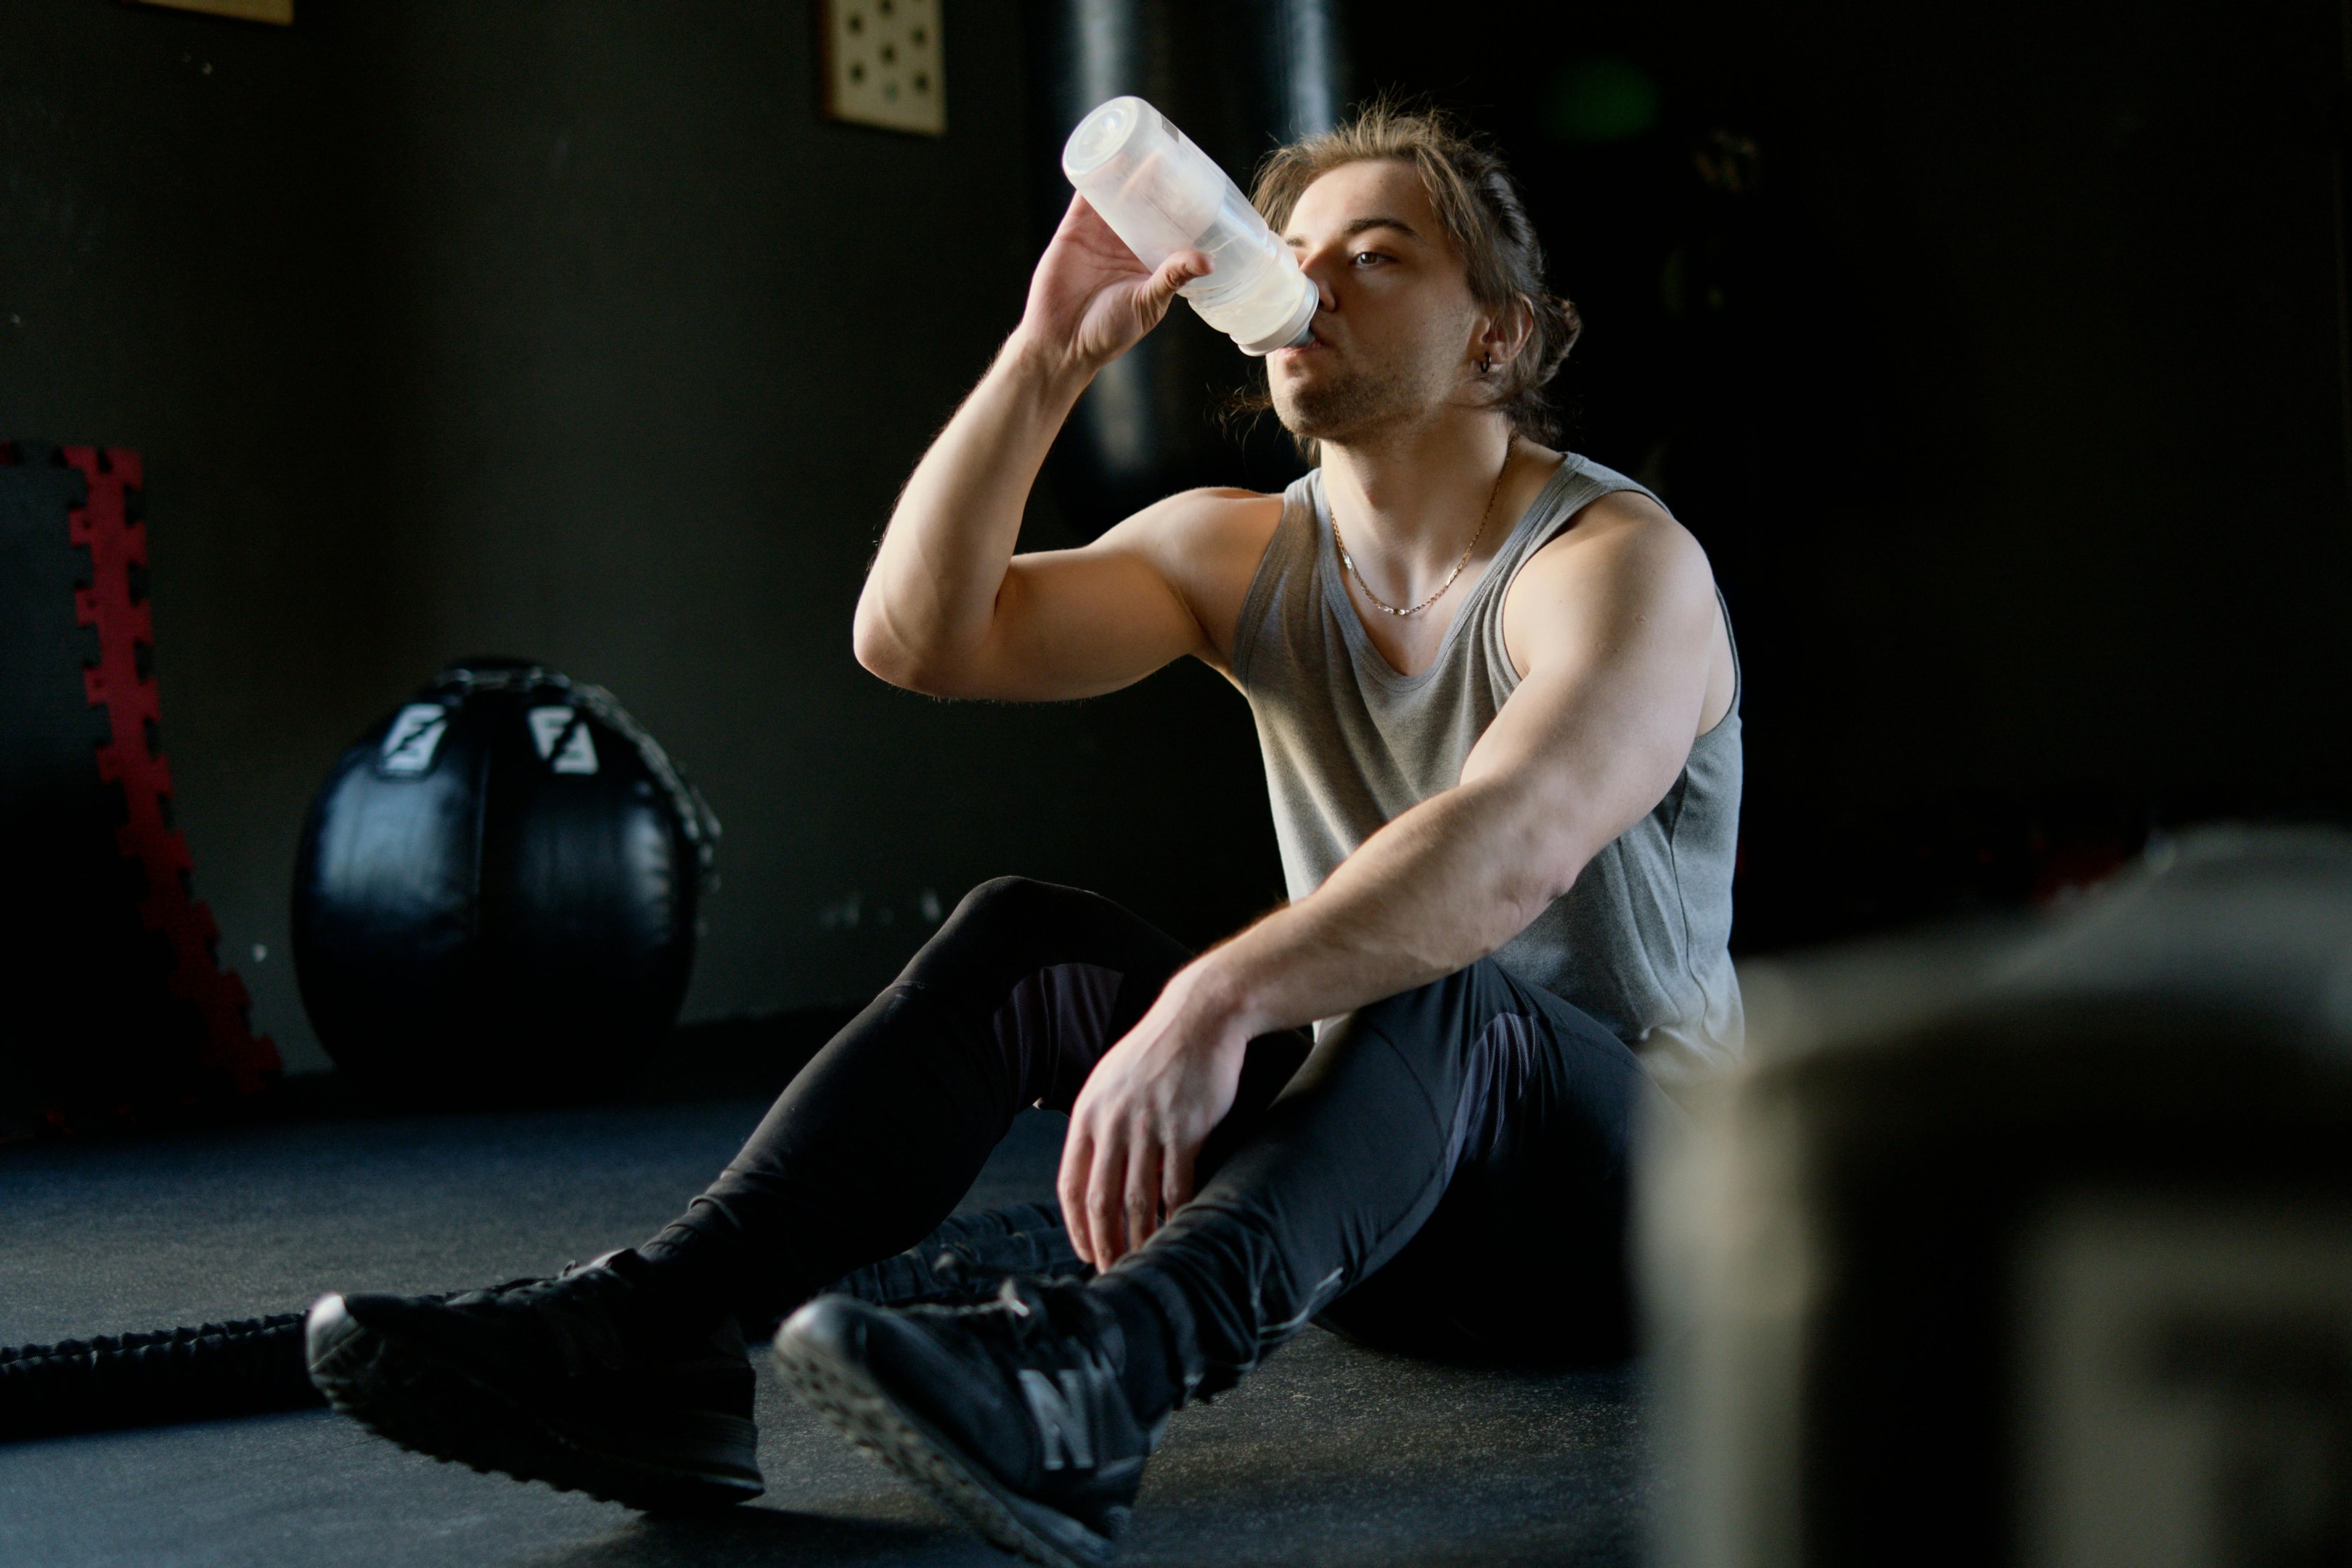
{"points": [[1499, 701]]}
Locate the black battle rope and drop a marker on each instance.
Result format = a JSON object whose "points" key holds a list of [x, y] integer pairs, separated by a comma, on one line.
{"points": [[255, 1365], [243, 1368]]}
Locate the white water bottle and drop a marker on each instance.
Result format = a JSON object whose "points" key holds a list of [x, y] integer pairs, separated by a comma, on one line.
{"points": [[1162, 195]]}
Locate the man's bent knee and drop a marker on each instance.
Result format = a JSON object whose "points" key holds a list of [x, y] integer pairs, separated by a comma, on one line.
{"points": [[1016, 902]]}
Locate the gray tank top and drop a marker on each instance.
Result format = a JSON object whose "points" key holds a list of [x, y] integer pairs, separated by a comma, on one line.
{"points": [[1641, 940]]}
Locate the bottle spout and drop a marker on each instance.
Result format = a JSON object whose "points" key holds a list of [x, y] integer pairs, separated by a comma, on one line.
{"points": [[1296, 333]]}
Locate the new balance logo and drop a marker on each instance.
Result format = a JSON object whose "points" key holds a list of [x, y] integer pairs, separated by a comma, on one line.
{"points": [[1061, 1417]]}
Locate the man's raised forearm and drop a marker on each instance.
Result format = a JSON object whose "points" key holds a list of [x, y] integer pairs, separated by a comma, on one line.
{"points": [[932, 595]]}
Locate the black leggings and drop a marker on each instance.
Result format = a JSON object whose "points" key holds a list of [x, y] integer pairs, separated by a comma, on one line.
{"points": [[1444, 1171]]}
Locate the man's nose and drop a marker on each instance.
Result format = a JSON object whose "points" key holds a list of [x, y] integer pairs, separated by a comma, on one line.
{"points": [[1320, 268]]}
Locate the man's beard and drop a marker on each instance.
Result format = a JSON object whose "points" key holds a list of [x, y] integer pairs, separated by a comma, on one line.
{"points": [[1352, 404]]}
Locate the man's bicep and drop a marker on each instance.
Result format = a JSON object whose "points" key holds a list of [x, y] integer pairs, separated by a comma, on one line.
{"points": [[1618, 645], [1077, 622]]}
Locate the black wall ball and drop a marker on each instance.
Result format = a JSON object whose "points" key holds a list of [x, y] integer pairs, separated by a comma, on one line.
{"points": [[496, 892]]}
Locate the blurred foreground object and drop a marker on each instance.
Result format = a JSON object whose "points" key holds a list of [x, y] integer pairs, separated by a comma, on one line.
{"points": [[496, 893], [118, 1010], [2057, 1270]]}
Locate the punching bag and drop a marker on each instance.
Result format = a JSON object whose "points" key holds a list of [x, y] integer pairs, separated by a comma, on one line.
{"points": [[1241, 77], [496, 894]]}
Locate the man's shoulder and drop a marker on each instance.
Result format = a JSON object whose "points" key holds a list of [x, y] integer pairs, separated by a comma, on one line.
{"points": [[1212, 522], [1622, 548], [1216, 507], [1620, 532]]}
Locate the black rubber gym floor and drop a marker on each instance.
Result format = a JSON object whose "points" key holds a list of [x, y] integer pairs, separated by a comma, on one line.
{"points": [[1329, 1454]]}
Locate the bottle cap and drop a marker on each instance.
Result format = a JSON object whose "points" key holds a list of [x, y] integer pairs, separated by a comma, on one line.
{"points": [[1297, 329]]}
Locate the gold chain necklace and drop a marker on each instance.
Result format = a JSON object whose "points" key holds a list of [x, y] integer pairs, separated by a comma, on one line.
{"points": [[1349, 560]]}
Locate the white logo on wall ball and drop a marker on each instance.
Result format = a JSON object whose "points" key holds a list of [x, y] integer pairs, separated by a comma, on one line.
{"points": [[562, 739], [414, 736]]}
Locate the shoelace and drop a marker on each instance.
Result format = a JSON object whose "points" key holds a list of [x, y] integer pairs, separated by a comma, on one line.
{"points": [[968, 1257], [529, 1282], [957, 1266], [1031, 1310], [1008, 1311], [582, 1305]]}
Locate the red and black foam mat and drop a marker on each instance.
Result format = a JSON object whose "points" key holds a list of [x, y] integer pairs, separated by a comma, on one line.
{"points": [[117, 1010]]}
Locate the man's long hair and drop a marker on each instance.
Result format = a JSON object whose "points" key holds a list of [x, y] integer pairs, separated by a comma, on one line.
{"points": [[1479, 205]]}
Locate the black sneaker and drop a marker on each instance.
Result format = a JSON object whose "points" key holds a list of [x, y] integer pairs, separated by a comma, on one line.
{"points": [[572, 1381], [1011, 1414]]}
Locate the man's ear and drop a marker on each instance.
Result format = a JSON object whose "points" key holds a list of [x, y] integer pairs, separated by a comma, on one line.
{"points": [[1506, 334]]}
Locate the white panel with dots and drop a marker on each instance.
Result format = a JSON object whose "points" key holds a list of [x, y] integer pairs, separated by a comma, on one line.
{"points": [[882, 64]]}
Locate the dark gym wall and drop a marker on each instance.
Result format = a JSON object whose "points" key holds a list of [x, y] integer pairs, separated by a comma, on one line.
{"points": [[570, 329], [2002, 375], [1997, 354]]}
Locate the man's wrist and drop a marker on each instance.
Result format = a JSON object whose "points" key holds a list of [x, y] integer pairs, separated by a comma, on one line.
{"points": [[1033, 358], [1220, 990]]}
